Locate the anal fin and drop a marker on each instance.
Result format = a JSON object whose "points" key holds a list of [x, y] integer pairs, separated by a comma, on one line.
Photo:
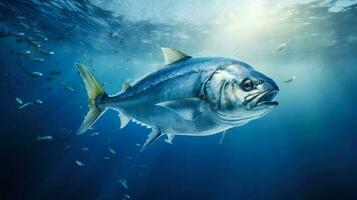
{"points": [[152, 137]]}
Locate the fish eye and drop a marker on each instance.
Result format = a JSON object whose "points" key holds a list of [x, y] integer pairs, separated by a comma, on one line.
{"points": [[260, 82], [247, 85]]}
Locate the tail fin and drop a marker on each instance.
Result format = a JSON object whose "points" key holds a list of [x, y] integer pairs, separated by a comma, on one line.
{"points": [[94, 90]]}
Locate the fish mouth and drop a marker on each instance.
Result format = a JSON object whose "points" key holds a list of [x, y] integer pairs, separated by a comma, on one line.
{"points": [[268, 99], [262, 100]]}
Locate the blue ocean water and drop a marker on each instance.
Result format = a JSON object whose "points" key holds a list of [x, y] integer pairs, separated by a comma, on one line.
{"points": [[303, 149]]}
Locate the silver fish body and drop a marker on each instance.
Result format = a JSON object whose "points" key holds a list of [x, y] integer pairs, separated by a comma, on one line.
{"points": [[190, 96], [182, 82]]}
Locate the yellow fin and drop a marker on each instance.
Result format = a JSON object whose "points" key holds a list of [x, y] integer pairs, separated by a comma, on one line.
{"points": [[94, 90]]}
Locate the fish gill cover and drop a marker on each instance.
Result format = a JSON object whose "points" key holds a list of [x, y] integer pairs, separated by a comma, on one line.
{"points": [[303, 149]]}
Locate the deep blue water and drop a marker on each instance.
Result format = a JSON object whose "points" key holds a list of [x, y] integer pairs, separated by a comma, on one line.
{"points": [[304, 149]]}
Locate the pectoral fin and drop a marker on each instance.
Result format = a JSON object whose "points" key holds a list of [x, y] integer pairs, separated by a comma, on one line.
{"points": [[154, 135], [222, 137], [187, 109]]}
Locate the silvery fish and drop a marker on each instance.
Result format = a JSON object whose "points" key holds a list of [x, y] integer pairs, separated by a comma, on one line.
{"points": [[36, 74], [25, 26], [290, 79], [39, 101], [111, 151], [85, 149], [79, 164], [47, 137], [281, 47], [36, 59], [21, 52], [19, 100], [41, 36], [195, 96], [46, 53], [17, 34], [123, 183], [24, 105], [20, 17]]}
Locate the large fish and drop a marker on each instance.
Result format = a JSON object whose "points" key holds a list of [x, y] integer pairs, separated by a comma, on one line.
{"points": [[195, 96]]}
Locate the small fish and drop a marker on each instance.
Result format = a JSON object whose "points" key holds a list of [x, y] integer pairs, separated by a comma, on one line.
{"points": [[47, 137], [69, 88], [35, 59], [94, 134], [38, 101], [36, 74], [19, 101], [24, 105], [106, 158], [33, 43], [79, 164], [111, 151], [25, 26], [290, 79], [281, 47], [41, 36], [138, 145], [35, 31], [123, 183], [17, 34], [45, 52], [20, 17], [67, 147], [127, 196], [85, 149], [21, 52]]}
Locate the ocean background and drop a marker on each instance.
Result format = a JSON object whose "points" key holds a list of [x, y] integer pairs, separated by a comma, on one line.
{"points": [[304, 149]]}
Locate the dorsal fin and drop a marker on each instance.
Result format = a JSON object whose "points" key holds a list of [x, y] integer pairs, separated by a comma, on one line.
{"points": [[173, 55], [126, 86]]}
